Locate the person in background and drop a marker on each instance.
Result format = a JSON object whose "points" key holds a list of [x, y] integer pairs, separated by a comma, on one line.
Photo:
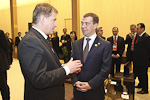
{"points": [[95, 55], [4, 66], [141, 58], [118, 46], [10, 41], [73, 38], [65, 38], [130, 40], [18, 39], [99, 32], [43, 73], [55, 42]]}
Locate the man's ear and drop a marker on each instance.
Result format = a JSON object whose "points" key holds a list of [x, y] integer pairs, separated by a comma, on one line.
{"points": [[42, 19], [95, 25]]}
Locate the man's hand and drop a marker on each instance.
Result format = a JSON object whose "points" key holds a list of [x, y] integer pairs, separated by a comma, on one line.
{"points": [[82, 86], [74, 66]]}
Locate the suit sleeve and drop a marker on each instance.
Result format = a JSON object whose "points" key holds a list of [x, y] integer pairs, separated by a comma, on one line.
{"points": [[128, 39], [122, 47], [74, 77], [98, 80], [34, 65]]}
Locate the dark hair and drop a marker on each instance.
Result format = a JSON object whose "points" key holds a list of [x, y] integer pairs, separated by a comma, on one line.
{"points": [[94, 16], [74, 33], [64, 29], [6, 33], [142, 25], [19, 32], [42, 9]]}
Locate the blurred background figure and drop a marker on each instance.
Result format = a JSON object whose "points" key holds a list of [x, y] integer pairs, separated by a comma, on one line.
{"points": [[65, 45], [99, 32], [55, 42], [130, 41], [73, 37], [10, 42], [18, 39], [118, 47], [4, 66]]}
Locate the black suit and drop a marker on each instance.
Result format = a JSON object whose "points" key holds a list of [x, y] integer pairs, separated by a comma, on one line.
{"points": [[17, 41], [141, 59], [4, 66], [120, 50], [95, 69], [55, 43], [103, 37], [65, 37], [44, 76]]}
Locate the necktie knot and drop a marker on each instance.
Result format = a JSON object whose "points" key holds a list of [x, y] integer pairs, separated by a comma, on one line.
{"points": [[88, 39]]}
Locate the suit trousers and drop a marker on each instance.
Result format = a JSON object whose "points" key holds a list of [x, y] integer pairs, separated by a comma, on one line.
{"points": [[142, 76], [3, 86], [117, 62], [89, 95]]}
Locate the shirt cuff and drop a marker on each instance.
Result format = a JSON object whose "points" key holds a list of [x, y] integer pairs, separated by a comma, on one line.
{"points": [[67, 70]]}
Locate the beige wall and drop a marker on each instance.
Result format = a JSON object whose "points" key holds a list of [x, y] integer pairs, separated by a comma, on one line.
{"points": [[64, 12], [5, 23], [119, 13]]}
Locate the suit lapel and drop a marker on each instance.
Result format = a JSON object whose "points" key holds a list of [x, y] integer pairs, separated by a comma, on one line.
{"points": [[45, 44], [95, 45], [81, 49]]}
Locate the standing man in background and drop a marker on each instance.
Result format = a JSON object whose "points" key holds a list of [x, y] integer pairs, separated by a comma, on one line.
{"points": [[18, 39], [43, 73], [95, 54], [130, 40], [118, 47], [141, 58], [65, 45], [99, 32], [10, 41], [4, 66]]}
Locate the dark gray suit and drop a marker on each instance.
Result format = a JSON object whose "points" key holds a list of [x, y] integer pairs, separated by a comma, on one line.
{"points": [[95, 69], [44, 76]]}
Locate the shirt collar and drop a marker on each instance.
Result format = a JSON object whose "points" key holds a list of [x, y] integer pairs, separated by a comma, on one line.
{"points": [[142, 34], [42, 33]]}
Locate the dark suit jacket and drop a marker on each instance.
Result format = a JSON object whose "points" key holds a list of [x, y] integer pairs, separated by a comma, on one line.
{"points": [[55, 42], [120, 45], [103, 37], [4, 64], [17, 41], [142, 50], [66, 38], [44, 76], [129, 53], [97, 65]]}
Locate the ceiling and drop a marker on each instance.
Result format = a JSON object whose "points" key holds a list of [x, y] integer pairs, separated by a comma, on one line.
{"points": [[5, 4]]}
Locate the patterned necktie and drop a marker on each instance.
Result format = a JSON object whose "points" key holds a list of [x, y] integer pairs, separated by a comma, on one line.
{"points": [[86, 49]]}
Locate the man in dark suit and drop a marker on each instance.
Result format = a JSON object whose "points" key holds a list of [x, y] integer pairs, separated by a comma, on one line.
{"points": [[55, 42], [118, 47], [18, 39], [130, 40], [141, 57], [10, 42], [4, 66], [99, 32], [44, 75], [95, 54], [65, 38]]}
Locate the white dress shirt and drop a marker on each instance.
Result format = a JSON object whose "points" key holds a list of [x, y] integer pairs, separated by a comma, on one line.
{"points": [[90, 42], [142, 34]]}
